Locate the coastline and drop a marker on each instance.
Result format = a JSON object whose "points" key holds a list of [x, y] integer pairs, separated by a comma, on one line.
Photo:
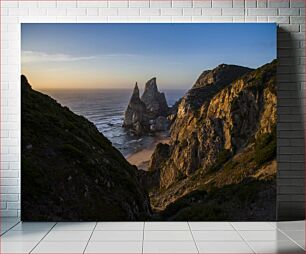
{"points": [[142, 158]]}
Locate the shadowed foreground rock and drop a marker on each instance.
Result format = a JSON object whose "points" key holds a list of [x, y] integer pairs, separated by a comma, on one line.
{"points": [[70, 171]]}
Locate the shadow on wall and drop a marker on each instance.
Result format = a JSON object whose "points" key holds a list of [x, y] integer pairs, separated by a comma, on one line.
{"points": [[290, 129]]}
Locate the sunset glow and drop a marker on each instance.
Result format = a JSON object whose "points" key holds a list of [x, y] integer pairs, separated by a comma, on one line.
{"points": [[114, 56]]}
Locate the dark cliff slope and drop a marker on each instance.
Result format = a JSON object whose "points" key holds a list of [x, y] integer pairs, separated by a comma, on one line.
{"points": [[70, 171], [221, 161]]}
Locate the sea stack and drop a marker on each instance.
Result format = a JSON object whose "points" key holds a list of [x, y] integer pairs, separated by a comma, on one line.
{"points": [[135, 114], [155, 101], [149, 113]]}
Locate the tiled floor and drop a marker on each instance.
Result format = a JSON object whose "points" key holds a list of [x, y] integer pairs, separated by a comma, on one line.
{"points": [[152, 237]]}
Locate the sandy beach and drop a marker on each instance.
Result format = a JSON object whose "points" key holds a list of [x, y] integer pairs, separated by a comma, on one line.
{"points": [[142, 158]]}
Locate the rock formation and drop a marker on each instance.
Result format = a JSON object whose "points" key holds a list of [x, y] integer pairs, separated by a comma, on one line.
{"points": [[135, 116], [70, 171], [155, 101], [222, 134], [148, 114], [191, 120]]}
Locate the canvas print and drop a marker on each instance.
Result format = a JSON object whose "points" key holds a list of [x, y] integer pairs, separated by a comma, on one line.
{"points": [[155, 122]]}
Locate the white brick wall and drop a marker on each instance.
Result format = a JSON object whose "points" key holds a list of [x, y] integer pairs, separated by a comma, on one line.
{"points": [[290, 14]]}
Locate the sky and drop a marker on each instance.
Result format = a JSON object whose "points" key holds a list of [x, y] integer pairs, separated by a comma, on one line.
{"points": [[115, 56]]}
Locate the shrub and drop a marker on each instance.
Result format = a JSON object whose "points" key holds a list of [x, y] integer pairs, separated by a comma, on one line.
{"points": [[230, 165], [184, 202], [72, 151], [223, 156], [200, 212], [265, 147]]}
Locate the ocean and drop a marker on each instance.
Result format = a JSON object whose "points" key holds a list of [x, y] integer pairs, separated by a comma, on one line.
{"points": [[105, 108]]}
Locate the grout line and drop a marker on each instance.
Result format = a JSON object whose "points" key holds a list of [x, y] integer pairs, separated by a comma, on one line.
{"points": [[273, 225], [10, 228], [159, 230], [193, 237], [247, 243], [90, 236], [125, 230], [143, 232], [290, 238], [42, 238]]}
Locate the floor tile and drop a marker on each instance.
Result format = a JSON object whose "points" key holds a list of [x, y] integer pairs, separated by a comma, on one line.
{"points": [[301, 243], [114, 247], [253, 226], [216, 236], [60, 247], [167, 236], [68, 236], [23, 236], [120, 226], [160, 237], [291, 225], [106, 236], [5, 226], [273, 235], [17, 247], [297, 235], [169, 247], [166, 226], [276, 247], [64, 226], [33, 226], [223, 247], [211, 226]]}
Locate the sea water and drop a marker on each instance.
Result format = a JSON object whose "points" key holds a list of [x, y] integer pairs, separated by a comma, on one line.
{"points": [[105, 108]]}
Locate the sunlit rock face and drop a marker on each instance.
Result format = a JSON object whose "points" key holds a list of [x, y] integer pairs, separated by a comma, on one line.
{"points": [[224, 108]]}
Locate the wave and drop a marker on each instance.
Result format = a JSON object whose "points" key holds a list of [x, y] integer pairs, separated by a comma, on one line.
{"points": [[134, 141], [106, 110]]}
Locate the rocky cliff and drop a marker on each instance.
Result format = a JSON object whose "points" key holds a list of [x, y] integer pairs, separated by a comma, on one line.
{"points": [[209, 83], [223, 135], [148, 113], [70, 171], [195, 130]]}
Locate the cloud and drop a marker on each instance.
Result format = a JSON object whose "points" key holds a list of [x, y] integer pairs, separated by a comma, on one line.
{"points": [[36, 57], [33, 56]]}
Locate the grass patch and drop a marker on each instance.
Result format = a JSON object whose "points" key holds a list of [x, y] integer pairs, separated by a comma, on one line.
{"points": [[223, 156], [265, 147]]}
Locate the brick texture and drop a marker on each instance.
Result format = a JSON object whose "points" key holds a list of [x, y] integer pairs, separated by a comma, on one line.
{"points": [[289, 14]]}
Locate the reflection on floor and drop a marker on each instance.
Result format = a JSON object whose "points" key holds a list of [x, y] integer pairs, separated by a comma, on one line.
{"points": [[152, 237]]}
